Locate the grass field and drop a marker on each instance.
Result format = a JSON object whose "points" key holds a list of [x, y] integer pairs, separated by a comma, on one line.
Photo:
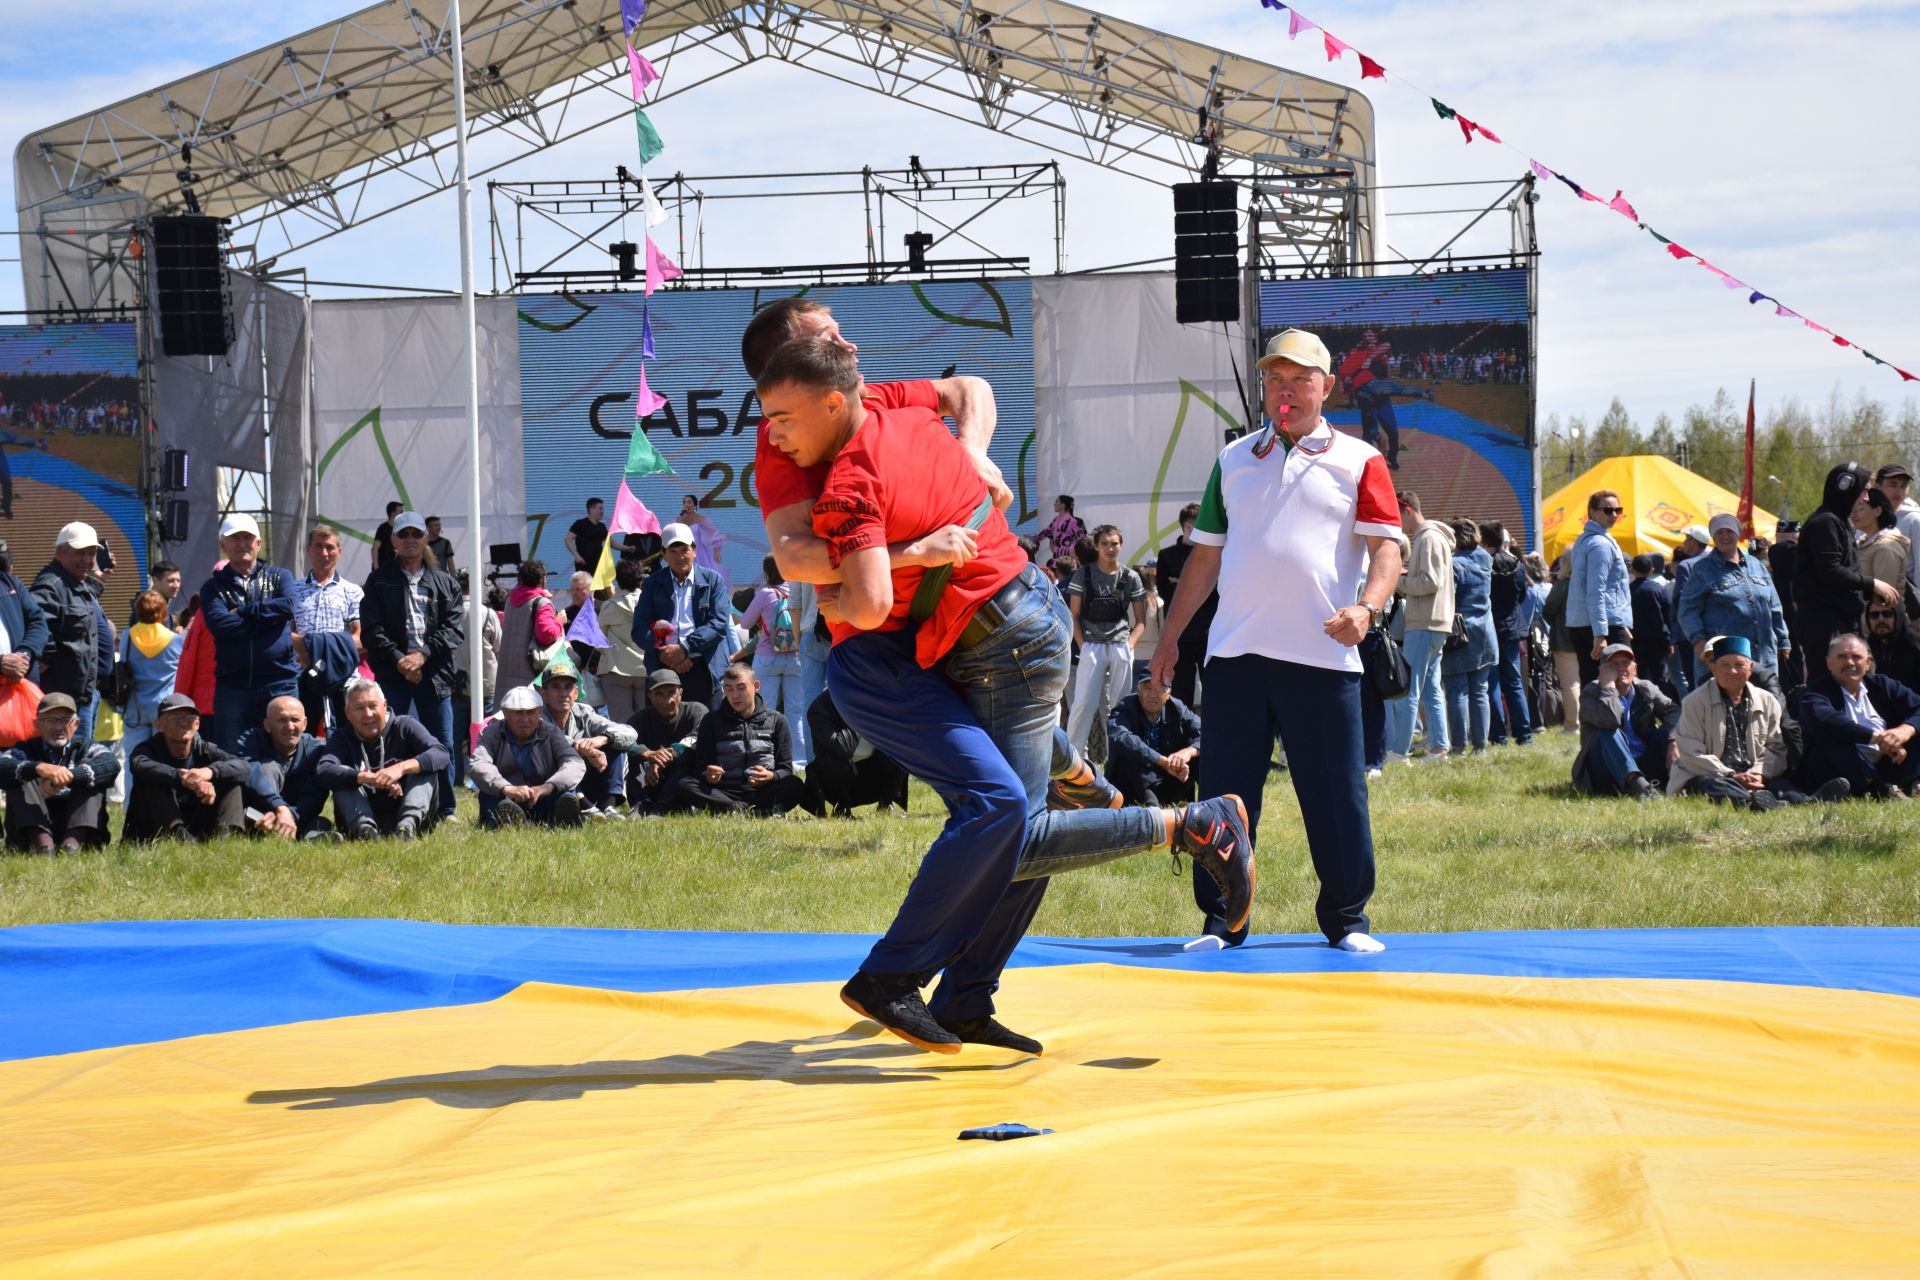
{"points": [[1499, 842]]}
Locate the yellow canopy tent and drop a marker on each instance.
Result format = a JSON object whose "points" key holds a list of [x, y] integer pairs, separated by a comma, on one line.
{"points": [[1661, 497]]}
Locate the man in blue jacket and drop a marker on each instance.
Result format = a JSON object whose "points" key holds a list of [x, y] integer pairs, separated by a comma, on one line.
{"points": [[1153, 743], [284, 786], [1599, 609], [1859, 725], [383, 769], [249, 611], [693, 601]]}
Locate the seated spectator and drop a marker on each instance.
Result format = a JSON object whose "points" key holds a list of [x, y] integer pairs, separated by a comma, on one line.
{"points": [[667, 726], [1153, 740], [1626, 731], [56, 786], [524, 767], [183, 786], [1890, 639], [602, 744], [847, 770], [742, 758], [383, 769], [1731, 746], [283, 785], [1859, 725]]}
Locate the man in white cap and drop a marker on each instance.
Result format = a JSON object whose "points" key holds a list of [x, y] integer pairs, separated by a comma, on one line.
{"points": [[249, 611], [524, 767], [680, 620], [65, 592], [413, 625], [1299, 528]]}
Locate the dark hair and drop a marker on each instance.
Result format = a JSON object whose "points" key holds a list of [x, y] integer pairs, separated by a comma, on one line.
{"points": [[395, 508], [628, 574], [770, 329], [1882, 508], [1493, 534], [191, 607], [1102, 530], [742, 597], [1466, 534], [596, 502], [813, 363], [1189, 513], [1028, 544], [1644, 565], [744, 668], [1084, 552], [1593, 499], [1068, 499], [771, 568], [433, 519], [162, 566], [533, 573], [1410, 499], [150, 606], [496, 597]]}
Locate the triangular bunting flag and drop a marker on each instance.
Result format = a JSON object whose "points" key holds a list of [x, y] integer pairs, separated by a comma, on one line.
{"points": [[641, 70], [646, 333], [1904, 375], [1297, 22], [1572, 186], [649, 137], [630, 515], [1371, 70], [586, 623], [1679, 253], [1785, 312], [1271, 4], [602, 579], [660, 268], [1869, 355], [646, 403], [1619, 205], [1811, 324], [1539, 170], [642, 458], [1655, 234], [651, 203], [631, 11], [1757, 296], [1335, 45], [1441, 109], [1466, 126], [1839, 341], [1487, 133]]}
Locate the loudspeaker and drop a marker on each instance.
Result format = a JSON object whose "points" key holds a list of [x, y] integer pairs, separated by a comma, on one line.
{"points": [[1206, 252], [173, 465], [190, 281], [173, 520]]}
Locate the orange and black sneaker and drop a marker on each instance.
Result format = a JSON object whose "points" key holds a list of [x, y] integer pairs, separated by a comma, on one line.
{"points": [[1214, 834], [1083, 788], [894, 1002]]}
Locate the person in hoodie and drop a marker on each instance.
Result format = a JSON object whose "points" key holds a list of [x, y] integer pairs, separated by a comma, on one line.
{"points": [[1599, 606], [1830, 589], [528, 626], [249, 611], [284, 786], [56, 786], [742, 760], [383, 769], [151, 651], [1512, 619], [64, 590]]}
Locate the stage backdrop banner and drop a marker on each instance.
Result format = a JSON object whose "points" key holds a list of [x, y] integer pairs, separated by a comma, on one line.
{"points": [[1434, 371], [580, 366], [1132, 408], [390, 422], [70, 448]]}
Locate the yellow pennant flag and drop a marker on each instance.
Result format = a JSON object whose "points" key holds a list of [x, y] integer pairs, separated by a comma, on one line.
{"points": [[603, 572]]}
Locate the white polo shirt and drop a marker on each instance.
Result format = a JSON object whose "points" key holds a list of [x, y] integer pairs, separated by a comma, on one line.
{"points": [[1292, 523]]}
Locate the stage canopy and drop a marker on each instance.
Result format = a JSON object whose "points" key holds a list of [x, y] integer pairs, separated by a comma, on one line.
{"points": [[1661, 497]]}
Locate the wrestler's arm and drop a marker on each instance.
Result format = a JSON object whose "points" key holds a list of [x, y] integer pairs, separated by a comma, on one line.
{"points": [[969, 402], [866, 588], [802, 557]]}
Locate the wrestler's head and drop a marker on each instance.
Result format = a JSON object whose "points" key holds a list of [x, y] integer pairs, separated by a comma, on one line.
{"points": [[808, 394], [782, 321]]}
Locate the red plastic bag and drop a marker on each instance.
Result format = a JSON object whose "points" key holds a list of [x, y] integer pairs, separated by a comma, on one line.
{"points": [[19, 704]]}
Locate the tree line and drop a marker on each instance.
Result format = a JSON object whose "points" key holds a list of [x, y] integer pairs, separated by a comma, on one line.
{"points": [[1792, 442]]}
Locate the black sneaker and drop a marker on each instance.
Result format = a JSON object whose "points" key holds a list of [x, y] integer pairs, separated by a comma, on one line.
{"points": [[894, 1002], [1214, 834], [1095, 793], [509, 814], [1833, 789], [366, 831], [407, 830], [566, 810], [989, 1032]]}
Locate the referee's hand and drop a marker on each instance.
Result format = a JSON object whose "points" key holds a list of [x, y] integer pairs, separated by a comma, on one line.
{"points": [[1349, 625]]}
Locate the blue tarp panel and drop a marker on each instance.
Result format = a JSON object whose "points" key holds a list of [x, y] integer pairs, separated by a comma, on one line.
{"points": [[73, 987]]}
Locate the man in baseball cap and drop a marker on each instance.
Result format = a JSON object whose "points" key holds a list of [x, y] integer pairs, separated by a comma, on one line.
{"points": [[692, 601], [1300, 347], [524, 767], [1896, 481], [249, 612], [67, 596], [183, 785], [1626, 728], [56, 788]]}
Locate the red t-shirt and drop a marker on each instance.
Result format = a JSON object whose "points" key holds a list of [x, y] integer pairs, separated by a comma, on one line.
{"points": [[903, 475], [781, 481]]}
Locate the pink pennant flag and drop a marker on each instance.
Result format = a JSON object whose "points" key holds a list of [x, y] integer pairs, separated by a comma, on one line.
{"points": [[1539, 170], [641, 70], [1588, 195], [1679, 253], [1619, 205], [1725, 279], [630, 515], [1839, 341], [1904, 375], [646, 401], [1487, 133], [1466, 126], [1369, 69], [1335, 45], [660, 267], [1785, 312], [1297, 22], [1812, 325]]}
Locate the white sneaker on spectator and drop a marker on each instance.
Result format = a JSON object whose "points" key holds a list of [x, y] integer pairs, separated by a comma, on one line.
{"points": [[1398, 757], [1374, 773]]}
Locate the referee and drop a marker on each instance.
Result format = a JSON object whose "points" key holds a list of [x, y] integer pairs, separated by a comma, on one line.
{"points": [[1298, 523]]}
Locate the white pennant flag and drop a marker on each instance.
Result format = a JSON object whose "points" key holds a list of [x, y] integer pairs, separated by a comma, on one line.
{"points": [[655, 214]]}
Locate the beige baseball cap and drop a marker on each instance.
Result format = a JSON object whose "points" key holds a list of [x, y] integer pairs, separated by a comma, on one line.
{"points": [[1298, 346], [79, 535]]}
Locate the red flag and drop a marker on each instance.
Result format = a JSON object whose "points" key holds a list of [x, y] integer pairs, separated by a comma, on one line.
{"points": [[1371, 70], [1746, 474]]}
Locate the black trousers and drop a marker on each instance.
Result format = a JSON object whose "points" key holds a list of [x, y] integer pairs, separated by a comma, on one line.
{"points": [[1582, 638], [82, 813], [158, 808], [842, 785], [1828, 758], [320, 704], [664, 795], [1146, 785], [724, 797], [1186, 670]]}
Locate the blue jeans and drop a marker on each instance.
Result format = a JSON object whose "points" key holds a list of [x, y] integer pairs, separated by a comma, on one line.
{"points": [[1315, 713], [964, 912], [779, 676], [405, 698], [1467, 707], [1423, 695], [238, 708], [1513, 698]]}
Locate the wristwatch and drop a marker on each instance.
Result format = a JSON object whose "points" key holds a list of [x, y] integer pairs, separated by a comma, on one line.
{"points": [[1378, 615]]}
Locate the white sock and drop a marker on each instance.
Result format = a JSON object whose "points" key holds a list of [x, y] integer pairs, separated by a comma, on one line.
{"points": [[1206, 942], [1360, 944]]}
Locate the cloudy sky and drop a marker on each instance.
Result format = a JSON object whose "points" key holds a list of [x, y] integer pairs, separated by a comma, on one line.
{"points": [[1777, 139]]}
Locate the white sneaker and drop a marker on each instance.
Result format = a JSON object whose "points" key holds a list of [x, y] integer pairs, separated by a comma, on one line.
{"points": [[1374, 773], [1206, 942], [1398, 757]]}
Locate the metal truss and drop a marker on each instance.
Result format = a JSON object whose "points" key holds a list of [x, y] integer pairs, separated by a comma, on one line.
{"points": [[557, 233], [328, 130]]}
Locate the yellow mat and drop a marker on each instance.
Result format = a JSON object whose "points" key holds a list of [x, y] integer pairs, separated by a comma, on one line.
{"points": [[1353, 1125]]}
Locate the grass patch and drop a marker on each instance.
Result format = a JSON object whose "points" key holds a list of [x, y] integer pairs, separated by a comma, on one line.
{"points": [[1499, 842]]}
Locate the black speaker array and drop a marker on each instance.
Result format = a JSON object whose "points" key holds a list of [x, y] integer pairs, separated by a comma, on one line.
{"points": [[190, 278], [1206, 252]]}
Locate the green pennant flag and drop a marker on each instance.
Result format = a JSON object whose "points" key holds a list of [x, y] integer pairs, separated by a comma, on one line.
{"points": [[643, 459], [1655, 234], [1444, 111], [1869, 355], [650, 144]]}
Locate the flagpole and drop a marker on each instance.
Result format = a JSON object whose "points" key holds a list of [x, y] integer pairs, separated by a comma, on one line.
{"points": [[476, 598]]}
